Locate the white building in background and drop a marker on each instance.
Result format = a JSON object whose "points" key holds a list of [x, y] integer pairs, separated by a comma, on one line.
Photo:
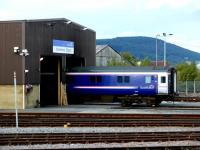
{"points": [[105, 54]]}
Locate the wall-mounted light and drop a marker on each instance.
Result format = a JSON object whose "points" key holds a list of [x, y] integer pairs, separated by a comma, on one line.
{"points": [[84, 28], [21, 52], [16, 50], [24, 52], [51, 24], [41, 58], [68, 22]]}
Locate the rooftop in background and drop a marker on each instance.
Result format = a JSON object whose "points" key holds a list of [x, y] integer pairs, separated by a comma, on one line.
{"points": [[100, 47], [159, 64]]}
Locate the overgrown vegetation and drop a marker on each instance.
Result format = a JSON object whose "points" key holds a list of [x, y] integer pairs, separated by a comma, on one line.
{"points": [[145, 62], [185, 71], [188, 71], [129, 60]]}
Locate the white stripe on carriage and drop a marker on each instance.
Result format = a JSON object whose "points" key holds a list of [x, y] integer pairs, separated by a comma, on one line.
{"points": [[106, 87], [115, 73]]}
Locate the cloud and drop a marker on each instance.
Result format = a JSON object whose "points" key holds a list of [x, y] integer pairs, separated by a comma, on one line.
{"points": [[6, 15], [174, 4], [23, 9], [111, 18], [67, 5], [186, 42], [126, 33]]}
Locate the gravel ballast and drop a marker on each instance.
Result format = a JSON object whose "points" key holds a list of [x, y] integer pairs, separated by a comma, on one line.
{"points": [[97, 129], [104, 145]]}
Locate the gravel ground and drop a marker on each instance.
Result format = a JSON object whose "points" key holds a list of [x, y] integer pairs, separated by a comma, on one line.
{"points": [[97, 129], [103, 145], [113, 108], [164, 108]]}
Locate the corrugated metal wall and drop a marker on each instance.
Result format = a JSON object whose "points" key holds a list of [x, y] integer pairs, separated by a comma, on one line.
{"points": [[10, 36], [36, 36], [106, 55], [39, 36]]}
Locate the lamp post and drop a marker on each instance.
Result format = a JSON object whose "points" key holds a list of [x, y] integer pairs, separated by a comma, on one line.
{"points": [[165, 35], [15, 96], [22, 52], [157, 49]]}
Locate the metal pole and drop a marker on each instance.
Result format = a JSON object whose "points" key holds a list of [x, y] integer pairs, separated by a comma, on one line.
{"points": [[186, 88], [156, 51], [194, 87], [15, 95], [165, 52]]}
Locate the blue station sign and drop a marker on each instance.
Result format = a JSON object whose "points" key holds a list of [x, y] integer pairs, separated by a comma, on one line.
{"points": [[63, 47]]}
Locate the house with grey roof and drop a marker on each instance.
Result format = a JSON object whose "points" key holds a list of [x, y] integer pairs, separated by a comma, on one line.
{"points": [[105, 54]]}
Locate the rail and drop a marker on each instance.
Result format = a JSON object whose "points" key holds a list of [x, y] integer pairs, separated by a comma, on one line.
{"points": [[98, 120], [85, 138]]}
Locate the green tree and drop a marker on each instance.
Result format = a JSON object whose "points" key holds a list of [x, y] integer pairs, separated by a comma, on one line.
{"points": [[114, 62], [198, 76], [127, 60], [145, 62], [187, 71]]}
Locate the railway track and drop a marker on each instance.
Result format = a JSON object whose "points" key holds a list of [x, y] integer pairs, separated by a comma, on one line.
{"points": [[187, 99], [85, 138], [98, 120]]}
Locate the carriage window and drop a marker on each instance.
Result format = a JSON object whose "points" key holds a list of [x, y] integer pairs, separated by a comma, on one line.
{"points": [[92, 79], [126, 79], [99, 79], [119, 79], [148, 79], [163, 79], [95, 79]]}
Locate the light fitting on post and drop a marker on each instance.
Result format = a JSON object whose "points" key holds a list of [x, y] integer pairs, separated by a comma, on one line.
{"points": [[165, 35]]}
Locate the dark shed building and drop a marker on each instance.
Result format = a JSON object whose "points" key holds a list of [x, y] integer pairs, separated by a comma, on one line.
{"points": [[45, 69]]}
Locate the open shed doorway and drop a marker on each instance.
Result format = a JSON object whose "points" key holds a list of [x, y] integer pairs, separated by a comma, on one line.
{"points": [[70, 63], [50, 76], [75, 62]]}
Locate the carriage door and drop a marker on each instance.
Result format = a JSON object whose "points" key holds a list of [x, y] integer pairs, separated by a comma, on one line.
{"points": [[172, 76], [162, 83]]}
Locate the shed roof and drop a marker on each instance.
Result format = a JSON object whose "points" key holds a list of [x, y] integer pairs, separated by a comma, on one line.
{"points": [[47, 20]]}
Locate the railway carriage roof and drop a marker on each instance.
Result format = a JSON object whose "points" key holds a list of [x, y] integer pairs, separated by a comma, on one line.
{"points": [[119, 69]]}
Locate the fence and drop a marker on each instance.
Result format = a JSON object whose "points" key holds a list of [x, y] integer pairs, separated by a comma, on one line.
{"points": [[188, 87]]}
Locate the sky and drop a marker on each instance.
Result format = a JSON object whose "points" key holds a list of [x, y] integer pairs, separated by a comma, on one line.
{"points": [[118, 18]]}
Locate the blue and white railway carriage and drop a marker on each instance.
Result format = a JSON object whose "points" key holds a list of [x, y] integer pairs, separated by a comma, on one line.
{"points": [[134, 82]]}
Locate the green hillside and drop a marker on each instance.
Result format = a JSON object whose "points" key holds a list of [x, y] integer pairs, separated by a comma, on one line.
{"points": [[142, 47]]}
